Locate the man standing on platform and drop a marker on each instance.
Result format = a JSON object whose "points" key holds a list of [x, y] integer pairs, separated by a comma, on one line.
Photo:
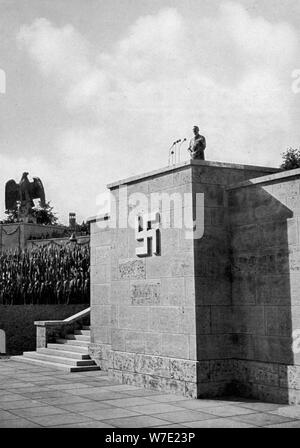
{"points": [[197, 145]]}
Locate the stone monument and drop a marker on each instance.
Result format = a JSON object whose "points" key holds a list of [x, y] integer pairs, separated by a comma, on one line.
{"points": [[203, 313], [19, 199]]}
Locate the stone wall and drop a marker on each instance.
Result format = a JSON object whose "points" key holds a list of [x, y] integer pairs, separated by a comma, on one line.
{"points": [[33, 244], [18, 323], [143, 308], [15, 236], [265, 312]]}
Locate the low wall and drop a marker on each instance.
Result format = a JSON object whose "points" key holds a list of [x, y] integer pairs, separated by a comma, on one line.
{"points": [[62, 242], [15, 236], [18, 323]]}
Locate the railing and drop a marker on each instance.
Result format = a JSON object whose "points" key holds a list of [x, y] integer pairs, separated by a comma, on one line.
{"points": [[47, 330]]}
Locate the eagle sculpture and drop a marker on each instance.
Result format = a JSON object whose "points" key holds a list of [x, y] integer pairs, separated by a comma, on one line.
{"points": [[20, 196]]}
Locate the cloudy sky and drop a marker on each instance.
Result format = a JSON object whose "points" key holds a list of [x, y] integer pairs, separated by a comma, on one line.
{"points": [[96, 90]]}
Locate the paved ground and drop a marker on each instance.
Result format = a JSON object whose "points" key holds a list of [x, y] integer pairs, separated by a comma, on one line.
{"points": [[35, 397]]}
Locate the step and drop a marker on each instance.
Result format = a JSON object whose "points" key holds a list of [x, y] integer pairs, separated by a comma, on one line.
{"points": [[78, 337], [86, 327], [58, 359], [69, 348], [54, 365], [83, 332], [63, 353], [73, 342]]}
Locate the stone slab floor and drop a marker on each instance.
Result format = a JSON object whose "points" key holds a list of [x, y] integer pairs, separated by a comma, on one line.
{"points": [[34, 397]]}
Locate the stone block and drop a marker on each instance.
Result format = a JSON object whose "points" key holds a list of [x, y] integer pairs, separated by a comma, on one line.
{"points": [[274, 349], [215, 346], [133, 318], [222, 320], [132, 269], [273, 289], [289, 377], [274, 233], [160, 183], [212, 389], [118, 339], [164, 385], [205, 175], [293, 281], [145, 293], [175, 345], [100, 353], [101, 316], [191, 390], [152, 365], [158, 267], [203, 320], [114, 316], [124, 361], [173, 291], [192, 322], [100, 274], [221, 370], [120, 292], [183, 370], [120, 243], [101, 335], [165, 319], [135, 342], [182, 177], [270, 394], [100, 294], [214, 243], [248, 319], [203, 372], [247, 237], [278, 321], [182, 263], [293, 230], [263, 373], [193, 347], [133, 379], [153, 344], [101, 237], [295, 259], [190, 292], [244, 289], [169, 241], [102, 254], [214, 195], [212, 292]]}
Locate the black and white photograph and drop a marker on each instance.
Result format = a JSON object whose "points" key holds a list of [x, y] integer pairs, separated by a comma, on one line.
{"points": [[149, 217]]}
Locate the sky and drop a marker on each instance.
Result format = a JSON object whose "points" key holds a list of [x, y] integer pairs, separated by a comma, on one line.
{"points": [[97, 90]]}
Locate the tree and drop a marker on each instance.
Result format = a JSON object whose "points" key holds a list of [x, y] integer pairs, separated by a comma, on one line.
{"points": [[11, 217], [45, 215], [291, 159], [84, 228]]}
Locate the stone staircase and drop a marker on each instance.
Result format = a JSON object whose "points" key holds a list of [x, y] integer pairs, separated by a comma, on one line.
{"points": [[69, 354]]}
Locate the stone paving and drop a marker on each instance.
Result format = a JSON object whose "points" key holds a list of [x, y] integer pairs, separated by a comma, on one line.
{"points": [[34, 397]]}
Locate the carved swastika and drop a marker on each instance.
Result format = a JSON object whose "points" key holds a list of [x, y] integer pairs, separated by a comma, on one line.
{"points": [[147, 231]]}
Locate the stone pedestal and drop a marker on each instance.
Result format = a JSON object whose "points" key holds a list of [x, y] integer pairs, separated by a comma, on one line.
{"points": [[197, 317]]}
